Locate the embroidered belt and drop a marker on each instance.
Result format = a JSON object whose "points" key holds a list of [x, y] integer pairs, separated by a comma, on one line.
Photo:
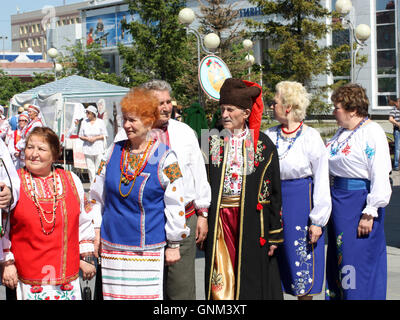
{"points": [[230, 202], [349, 183], [189, 209]]}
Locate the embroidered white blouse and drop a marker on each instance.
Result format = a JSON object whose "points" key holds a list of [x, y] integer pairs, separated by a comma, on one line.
{"points": [[306, 158], [233, 173], [174, 211], [364, 156]]}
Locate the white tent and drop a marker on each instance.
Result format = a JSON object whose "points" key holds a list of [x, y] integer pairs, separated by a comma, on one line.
{"points": [[61, 102]]}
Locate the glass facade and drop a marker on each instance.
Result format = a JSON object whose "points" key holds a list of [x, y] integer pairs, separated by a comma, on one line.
{"points": [[386, 51]]}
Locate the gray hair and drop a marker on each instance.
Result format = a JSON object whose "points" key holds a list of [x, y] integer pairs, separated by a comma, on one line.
{"points": [[157, 85]]}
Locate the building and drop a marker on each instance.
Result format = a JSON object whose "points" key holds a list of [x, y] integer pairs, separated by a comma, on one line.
{"points": [[31, 29], [101, 21]]}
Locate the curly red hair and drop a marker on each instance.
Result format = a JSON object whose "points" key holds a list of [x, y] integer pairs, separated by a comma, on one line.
{"points": [[142, 103]]}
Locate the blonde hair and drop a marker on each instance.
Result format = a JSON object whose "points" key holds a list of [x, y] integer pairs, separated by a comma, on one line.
{"points": [[294, 94]]}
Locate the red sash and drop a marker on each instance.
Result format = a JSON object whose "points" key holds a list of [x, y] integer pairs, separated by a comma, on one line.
{"points": [[40, 258]]}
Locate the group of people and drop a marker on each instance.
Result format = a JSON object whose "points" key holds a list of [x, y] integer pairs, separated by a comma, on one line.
{"points": [[256, 202]]}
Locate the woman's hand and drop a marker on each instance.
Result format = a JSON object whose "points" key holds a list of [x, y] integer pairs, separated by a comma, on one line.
{"points": [[5, 195], [10, 275], [365, 225], [172, 255], [88, 270], [314, 233]]}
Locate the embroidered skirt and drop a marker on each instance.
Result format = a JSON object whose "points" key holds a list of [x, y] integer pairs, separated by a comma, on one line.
{"points": [[301, 264], [356, 266], [132, 275], [67, 291]]}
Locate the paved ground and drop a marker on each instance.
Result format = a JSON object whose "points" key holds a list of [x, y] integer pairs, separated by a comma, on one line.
{"points": [[392, 229]]}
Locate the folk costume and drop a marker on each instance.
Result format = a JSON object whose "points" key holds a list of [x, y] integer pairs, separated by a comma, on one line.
{"points": [[244, 215], [303, 163], [37, 122], [14, 137], [359, 165], [49, 229], [138, 201], [9, 176], [180, 277]]}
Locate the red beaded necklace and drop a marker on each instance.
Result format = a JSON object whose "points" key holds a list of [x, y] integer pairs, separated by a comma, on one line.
{"points": [[290, 132]]}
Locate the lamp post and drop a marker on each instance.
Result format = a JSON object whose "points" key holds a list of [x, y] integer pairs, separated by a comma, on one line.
{"points": [[208, 44], [3, 38], [248, 45], [53, 53], [359, 35]]}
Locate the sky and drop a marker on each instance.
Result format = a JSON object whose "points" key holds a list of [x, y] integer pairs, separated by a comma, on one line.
{"points": [[9, 7]]}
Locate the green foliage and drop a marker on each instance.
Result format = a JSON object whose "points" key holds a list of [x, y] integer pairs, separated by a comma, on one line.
{"points": [[87, 62], [10, 86], [158, 42], [295, 51]]}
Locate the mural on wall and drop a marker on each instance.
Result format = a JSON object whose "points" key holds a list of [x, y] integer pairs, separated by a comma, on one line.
{"points": [[109, 30]]}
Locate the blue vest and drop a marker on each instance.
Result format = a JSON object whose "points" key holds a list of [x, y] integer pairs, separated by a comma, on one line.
{"points": [[136, 222]]}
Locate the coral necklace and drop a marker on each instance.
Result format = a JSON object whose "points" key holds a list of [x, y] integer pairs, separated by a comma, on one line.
{"points": [[137, 163], [290, 132], [41, 211]]}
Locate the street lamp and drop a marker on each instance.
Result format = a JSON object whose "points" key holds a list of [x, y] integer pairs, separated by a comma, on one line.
{"points": [[208, 44], [53, 53], [3, 38], [360, 34]]}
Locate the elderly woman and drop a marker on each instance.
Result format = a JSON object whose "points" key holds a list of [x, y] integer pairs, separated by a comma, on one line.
{"points": [[51, 234], [93, 132], [14, 137], [35, 120], [359, 165], [138, 200], [306, 202]]}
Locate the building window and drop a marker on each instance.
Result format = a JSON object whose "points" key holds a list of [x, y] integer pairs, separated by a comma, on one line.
{"points": [[386, 51]]}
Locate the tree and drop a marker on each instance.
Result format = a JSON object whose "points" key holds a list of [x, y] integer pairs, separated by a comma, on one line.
{"points": [[220, 17], [296, 53], [87, 62], [158, 41], [9, 87]]}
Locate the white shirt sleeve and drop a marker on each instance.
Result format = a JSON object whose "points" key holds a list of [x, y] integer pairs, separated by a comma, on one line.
{"points": [[175, 227], [8, 174], [321, 211], [97, 193], [86, 229], [379, 166]]}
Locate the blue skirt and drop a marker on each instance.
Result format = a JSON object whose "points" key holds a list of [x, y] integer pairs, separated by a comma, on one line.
{"points": [[356, 266], [301, 264]]}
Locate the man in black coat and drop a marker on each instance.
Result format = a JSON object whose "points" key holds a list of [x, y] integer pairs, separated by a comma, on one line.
{"points": [[244, 219]]}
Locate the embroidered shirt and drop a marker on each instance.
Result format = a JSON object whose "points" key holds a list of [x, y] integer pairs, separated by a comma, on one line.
{"points": [[366, 156]]}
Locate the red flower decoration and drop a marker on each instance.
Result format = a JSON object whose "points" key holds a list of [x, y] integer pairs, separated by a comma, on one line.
{"points": [[248, 143], [262, 241], [36, 289], [66, 287], [259, 206], [256, 163], [235, 176]]}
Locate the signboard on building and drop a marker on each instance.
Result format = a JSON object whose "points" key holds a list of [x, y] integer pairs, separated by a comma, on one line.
{"points": [[110, 29]]}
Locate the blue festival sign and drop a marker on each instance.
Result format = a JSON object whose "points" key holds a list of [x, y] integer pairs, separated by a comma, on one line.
{"points": [[212, 73]]}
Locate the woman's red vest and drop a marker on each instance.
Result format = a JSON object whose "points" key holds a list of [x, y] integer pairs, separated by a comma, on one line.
{"points": [[40, 258]]}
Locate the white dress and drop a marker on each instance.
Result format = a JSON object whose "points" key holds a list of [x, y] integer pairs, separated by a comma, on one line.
{"points": [[364, 156], [307, 158]]}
